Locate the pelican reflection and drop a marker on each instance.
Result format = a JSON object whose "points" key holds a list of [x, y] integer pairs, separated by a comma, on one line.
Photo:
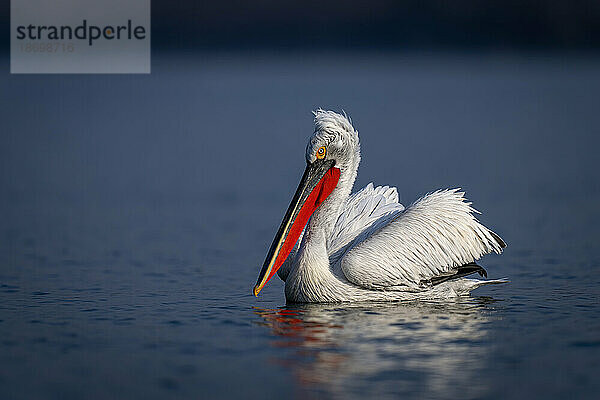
{"points": [[383, 349]]}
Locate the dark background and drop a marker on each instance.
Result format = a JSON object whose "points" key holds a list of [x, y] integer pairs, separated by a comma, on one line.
{"points": [[379, 24]]}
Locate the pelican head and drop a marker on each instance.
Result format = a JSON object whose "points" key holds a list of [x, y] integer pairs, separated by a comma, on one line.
{"points": [[332, 158], [336, 134]]}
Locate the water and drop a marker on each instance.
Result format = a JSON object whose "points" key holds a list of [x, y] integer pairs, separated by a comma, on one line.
{"points": [[137, 210]]}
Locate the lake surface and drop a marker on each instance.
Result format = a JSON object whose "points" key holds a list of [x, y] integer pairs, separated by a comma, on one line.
{"points": [[136, 212]]}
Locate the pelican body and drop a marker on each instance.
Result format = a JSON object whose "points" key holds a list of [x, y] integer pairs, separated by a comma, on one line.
{"points": [[336, 247]]}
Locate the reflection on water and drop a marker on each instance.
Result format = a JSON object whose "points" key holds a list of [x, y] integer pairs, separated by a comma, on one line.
{"points": [[435, 349]]}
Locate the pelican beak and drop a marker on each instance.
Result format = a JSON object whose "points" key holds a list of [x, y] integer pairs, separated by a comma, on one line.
{"points": [[318, 181]]}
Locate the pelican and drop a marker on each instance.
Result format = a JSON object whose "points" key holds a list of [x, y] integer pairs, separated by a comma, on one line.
{"points": [[336, 247]]}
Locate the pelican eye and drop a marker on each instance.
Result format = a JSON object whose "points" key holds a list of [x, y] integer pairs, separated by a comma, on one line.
{"points": [[321, 152]]}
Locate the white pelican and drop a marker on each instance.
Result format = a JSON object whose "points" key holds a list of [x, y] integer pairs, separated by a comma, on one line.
{"points": [[335, 247]]}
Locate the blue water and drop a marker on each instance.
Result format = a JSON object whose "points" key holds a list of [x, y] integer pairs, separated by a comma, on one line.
{"points": [[136, 212]]}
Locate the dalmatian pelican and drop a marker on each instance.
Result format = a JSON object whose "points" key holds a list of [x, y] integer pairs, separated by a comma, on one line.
{"points": [[336, 247]]}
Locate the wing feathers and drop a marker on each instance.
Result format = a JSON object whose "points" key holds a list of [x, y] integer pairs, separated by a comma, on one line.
{"points": [[432, 238], [464, 270], [361, 211]]}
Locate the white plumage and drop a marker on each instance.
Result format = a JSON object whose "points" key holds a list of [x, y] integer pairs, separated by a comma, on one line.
{"points": [[433, 236], [363, 213], [367, 246]]}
